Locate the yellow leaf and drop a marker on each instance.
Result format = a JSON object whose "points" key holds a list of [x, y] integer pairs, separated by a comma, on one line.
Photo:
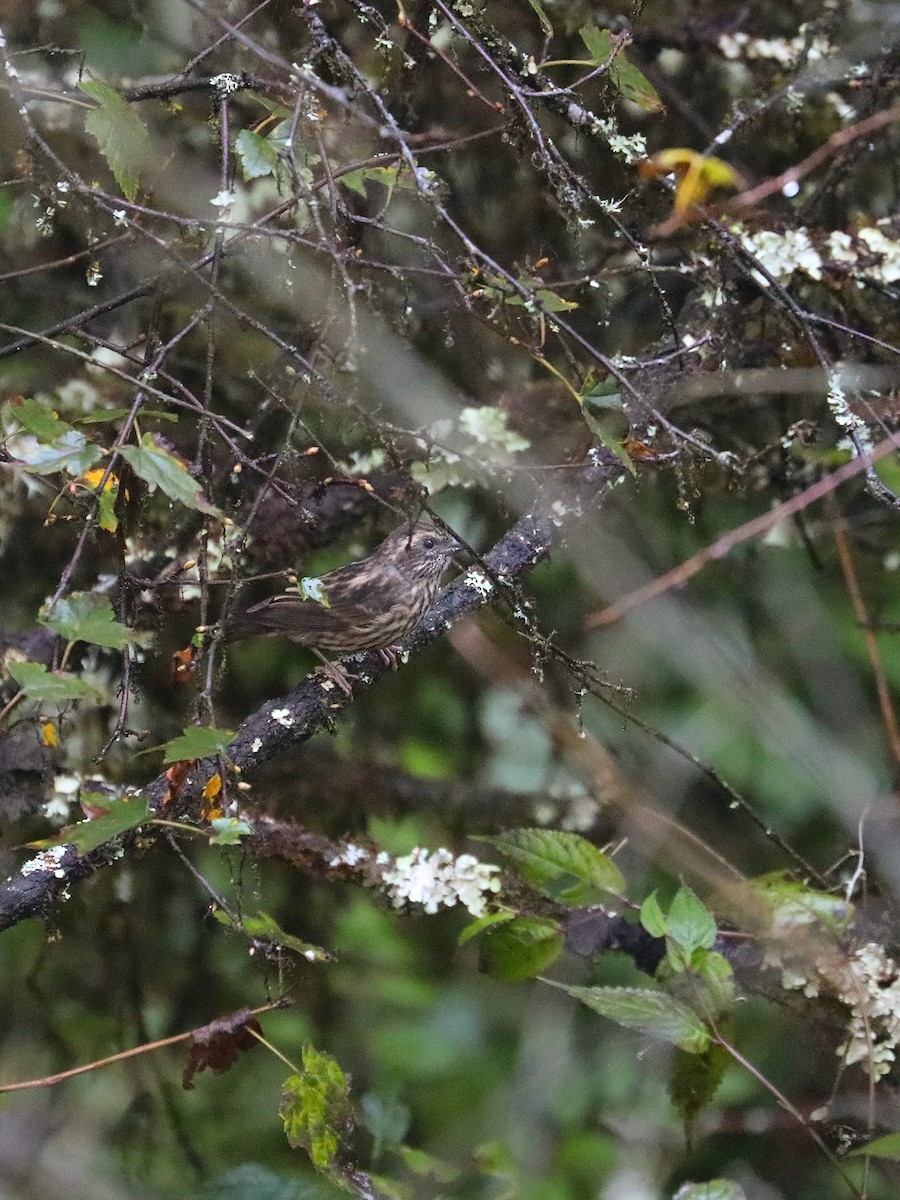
{"points": [[49, 734], [213, 787], [697, 174]]}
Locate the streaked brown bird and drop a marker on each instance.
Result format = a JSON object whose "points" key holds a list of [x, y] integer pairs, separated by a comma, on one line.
{"points": [[370, 604]]}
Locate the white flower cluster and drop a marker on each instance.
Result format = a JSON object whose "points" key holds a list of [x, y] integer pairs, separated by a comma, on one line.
{"points": [[781, 50], [435, 879], [487, 425], [867, 981], [794, 250]]}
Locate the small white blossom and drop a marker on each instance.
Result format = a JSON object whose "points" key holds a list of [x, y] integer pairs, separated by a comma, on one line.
{"points": [[487, 425], [351, 856], [435, 879]]}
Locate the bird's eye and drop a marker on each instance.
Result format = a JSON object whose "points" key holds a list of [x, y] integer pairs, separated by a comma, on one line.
{"points": [[429, 543]]}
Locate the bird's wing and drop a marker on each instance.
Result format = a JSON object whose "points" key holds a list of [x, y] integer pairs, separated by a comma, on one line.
{"points": [[290, 612]]}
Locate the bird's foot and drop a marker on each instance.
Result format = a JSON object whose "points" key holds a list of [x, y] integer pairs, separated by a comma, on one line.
{"points": [[390, 655], [337, 675]]}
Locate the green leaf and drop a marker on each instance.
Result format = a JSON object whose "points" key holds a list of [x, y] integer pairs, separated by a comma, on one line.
{"points": [[106, 509], [631, 83], [486, 922], [275, 107], [156, 465], [520, 949], [228, 831], [120, 134], [71, 452], [388, 177], [315, 1108], [428, 1166], [653, 1013], [635, 86], [561, 865], [791, 906], [546, 27], [262, 927], [882, 1147], [258, 157], [43, 422], [713, 1189], [652, 916], [120, 815], [690, 924], [547, 299], [694, 1079], [40, 684], [86, 617], [387, 1118], [598, 43], [196, 741]]}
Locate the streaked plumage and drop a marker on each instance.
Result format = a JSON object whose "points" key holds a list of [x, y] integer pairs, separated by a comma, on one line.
{"points": [[373, 603]]}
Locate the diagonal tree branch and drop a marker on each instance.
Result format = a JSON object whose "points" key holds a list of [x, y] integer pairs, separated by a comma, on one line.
{"points": [[283, 724]]}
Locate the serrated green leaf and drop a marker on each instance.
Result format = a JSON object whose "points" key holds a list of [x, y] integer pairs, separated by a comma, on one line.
{"points": [[656, 1014], [196, 741], [156, 465], [689, 923], [520, 949], [86, 617], [40, 684], [258, 157], [120, 815], [38, 419], [120, 134], [315, 1108], [561, 865]]}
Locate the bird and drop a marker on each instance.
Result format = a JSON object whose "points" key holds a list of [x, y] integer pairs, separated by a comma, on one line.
{"points": [[370, 604]]}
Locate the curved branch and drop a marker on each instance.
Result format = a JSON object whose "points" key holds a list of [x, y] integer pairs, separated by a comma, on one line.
{"points": [[283, 724]]}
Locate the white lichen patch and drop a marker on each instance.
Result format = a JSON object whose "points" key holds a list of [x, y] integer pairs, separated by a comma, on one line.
{"points": [[283, 716], [48, 861], [479, 581]]}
